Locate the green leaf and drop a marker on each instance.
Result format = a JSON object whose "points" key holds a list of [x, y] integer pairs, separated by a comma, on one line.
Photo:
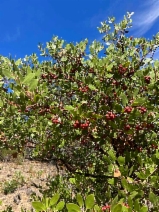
{"points": [[109, 75], [139, 73], [92, 87], [156, 64], [111, 181], [18, 62], [117, 208], [139, 102], [28, 78], [153, 198], [136, 205], [38, 73], [157, 154], [118, 107], [1, 103], [46, 202], [141, 175], [54, 199], [136, 91], [125, 209], [89, 202], [97, 208], [109, 67], [144, 209], [130, 202], [124, 99], [112, 155], [60, 205], [38, 206], [133, 194], [33, 84], [8, 73], [121, 160], [131, 170], [72, 180], [63, 59], [125, 184], [114, 202], [69, 108], [154, 135], [79, 200], [71, 207]]}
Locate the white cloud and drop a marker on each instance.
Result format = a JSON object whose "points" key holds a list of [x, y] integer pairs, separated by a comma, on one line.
{"points": [[12, 37], [145, 17]]}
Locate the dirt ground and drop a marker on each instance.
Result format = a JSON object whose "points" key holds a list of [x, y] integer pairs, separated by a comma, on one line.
{"points": [[30, 175]]}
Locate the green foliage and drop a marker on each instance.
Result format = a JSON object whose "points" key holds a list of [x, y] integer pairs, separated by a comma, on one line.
{"points": [[97, 117], [12, 185], [54, 205]]}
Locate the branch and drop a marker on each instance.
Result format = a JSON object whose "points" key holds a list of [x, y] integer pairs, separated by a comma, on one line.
{"points": [[73, 171]]}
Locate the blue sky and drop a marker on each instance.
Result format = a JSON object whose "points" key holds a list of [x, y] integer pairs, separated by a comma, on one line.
{"points": [[26, 23]]}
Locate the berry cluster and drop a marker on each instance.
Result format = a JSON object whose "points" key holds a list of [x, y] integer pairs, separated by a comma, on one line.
{"points": [[49, 77], [106, 208], [77, 124], [44, 111], [84, 89], [56, 120], [127, 127], [142, 110], [110, 116], [128, 109], [147, 79], [122, 70]]}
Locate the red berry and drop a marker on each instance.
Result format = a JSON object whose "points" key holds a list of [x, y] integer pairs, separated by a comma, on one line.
{"points": [[106, 207], [55, 120], [142, 110], [115, 94], [84, 126], [43, 76], [84, 89], [126, 205], [124, 87], [128, 109], [76, 124], [147, 79], [138, 127], [139, 149], [122, 69], [110, 116], [127, 127]]}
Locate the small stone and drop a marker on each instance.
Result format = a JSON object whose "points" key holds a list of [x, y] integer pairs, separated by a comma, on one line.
{"points": [[35, 183], [17, 199], [29, 191]]}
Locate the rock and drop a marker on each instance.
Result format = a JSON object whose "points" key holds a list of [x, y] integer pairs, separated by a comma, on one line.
{"points": [[36, 184], [29, 191], [17, 199]]}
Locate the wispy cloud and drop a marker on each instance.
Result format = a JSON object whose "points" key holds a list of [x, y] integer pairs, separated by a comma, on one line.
{"points": [[9, 37], [145, 17]]}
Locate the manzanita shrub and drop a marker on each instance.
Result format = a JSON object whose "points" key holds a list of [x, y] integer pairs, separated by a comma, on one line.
{"points": [[97, 116], [81, 205]]}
